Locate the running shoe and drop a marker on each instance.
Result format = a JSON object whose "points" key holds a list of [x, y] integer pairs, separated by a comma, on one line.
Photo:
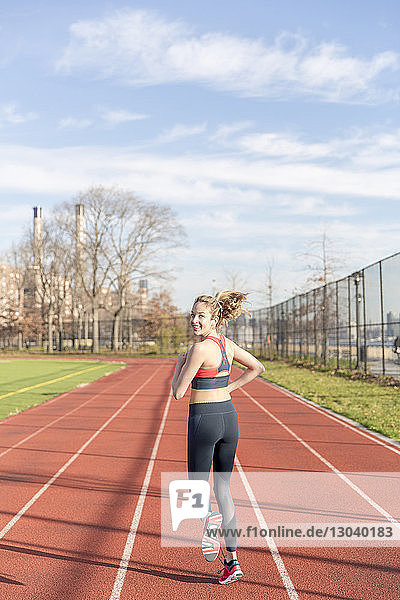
{"points": [[209, 544], [232, 572]]}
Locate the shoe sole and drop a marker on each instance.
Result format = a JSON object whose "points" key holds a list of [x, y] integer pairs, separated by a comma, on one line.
{"points": [[210, 546], [212, 522], [210, 549]]}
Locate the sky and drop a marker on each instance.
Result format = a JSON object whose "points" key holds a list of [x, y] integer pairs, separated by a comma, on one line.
{"points": [[262, 124]]}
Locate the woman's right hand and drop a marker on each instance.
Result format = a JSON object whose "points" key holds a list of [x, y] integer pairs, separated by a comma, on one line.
{"points": [[181, 358]]}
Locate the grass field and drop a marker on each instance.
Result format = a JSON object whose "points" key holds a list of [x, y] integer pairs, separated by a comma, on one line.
{"points": [[25, 383], [373, 405]]}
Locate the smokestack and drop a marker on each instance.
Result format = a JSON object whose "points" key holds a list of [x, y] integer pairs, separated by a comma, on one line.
{"points": [[80, 229], [143, 293], [37, 235]]}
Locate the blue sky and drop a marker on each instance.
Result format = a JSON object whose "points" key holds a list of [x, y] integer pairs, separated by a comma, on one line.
{"points": [[259, 123]]}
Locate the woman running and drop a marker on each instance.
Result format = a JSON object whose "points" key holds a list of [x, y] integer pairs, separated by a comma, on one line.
{"points": [[213, 429]]}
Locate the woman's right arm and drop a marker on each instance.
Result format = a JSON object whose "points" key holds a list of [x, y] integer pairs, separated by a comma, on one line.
{"points": [[254, 367], [178, 368]]}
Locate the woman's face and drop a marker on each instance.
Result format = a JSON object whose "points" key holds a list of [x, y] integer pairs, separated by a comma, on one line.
{"points": [[200, 319]]}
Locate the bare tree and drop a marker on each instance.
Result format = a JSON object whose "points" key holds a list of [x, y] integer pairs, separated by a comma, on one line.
{"points": [[141, 234], [62, 273], [123, 239], [90, 254], [162, 320], [323, 259], [266, 291], [269, 289], [269, 282], [50, 276], [14, 272], [40, 281], [10, 304], [235, 282]]}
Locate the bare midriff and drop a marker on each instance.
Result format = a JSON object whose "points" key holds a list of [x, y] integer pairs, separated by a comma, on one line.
{"points": [[215, 395]]}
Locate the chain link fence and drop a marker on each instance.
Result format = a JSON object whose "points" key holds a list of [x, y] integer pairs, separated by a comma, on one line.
{"points": [[351, 323]]}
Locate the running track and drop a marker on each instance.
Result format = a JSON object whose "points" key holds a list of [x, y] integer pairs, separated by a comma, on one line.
{"points": [[80, 502]]}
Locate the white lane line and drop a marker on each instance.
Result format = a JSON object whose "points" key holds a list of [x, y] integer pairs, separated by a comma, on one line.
{"points": [[58, 419], [23, 510], [353, 425], [338, 418], [120, 577], [287, 582], [359, 491]]}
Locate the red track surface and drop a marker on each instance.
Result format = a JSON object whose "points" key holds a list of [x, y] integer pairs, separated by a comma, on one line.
{"points": [[69, 540]]}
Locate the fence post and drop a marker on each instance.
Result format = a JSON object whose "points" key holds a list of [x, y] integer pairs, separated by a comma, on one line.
{"points": [[356, 279], [382, 323], [349, 318], [315, 326], [364, 321], [337, 325], [306, 323], [324, 332], [161, 334], [301, 325], [287, 328], [293, 327], [262, 353], [175, 340]]}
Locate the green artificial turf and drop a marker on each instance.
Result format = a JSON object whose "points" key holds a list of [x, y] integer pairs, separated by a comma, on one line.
{"points": [[16, 375], [375, 406]]}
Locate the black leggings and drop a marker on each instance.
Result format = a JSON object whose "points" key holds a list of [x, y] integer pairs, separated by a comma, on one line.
{"points": [[213, 433]]}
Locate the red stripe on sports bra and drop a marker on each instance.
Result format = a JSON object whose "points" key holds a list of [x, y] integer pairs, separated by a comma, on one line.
{"points": [[213, 371]]}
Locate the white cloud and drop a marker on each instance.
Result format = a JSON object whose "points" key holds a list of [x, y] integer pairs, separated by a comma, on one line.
{"points": [[253, 242], [378, 151], [73, 123], [314, 206], [141, 48], [202, 178], [9, 115], [180, 131], [11, 212], [15, 217], [115, 117], [110, 116], [283, 145], [233, 207], [224, 132], [362, 150], [231, 227]]}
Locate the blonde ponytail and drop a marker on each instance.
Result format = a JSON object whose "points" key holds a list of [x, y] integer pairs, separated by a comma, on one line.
{"points": [[225, 305]]}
